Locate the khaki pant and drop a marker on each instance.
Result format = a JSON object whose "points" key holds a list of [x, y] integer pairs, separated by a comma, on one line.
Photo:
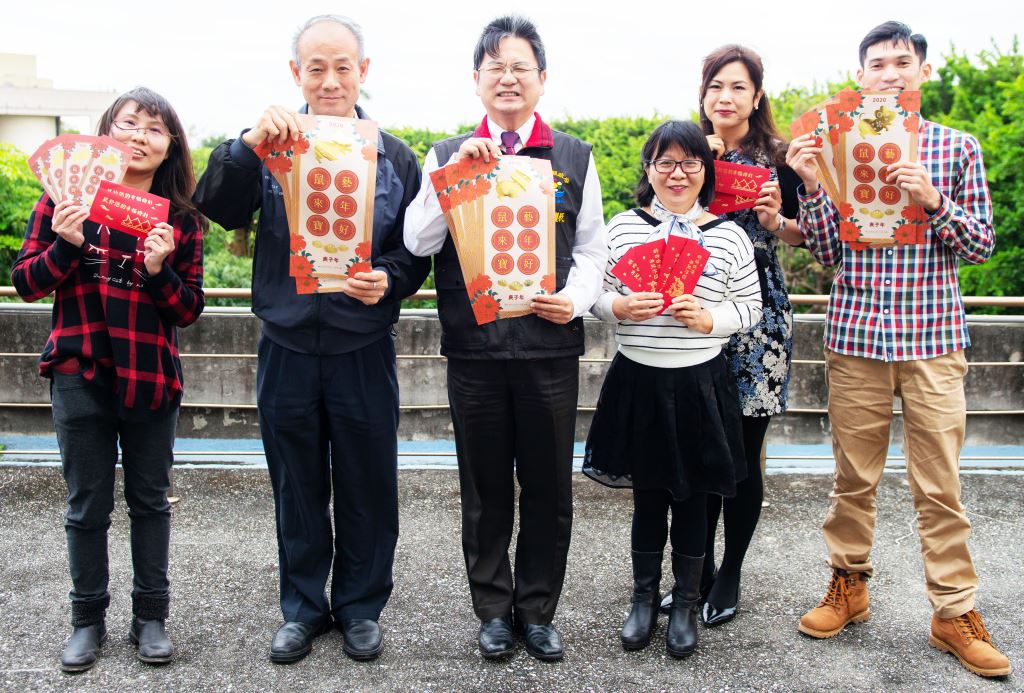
{"points": [[860, 403]]}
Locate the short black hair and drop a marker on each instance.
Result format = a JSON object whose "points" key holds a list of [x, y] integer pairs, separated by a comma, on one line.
{"points": [[502, 27], [691, 139], [894, 32]]}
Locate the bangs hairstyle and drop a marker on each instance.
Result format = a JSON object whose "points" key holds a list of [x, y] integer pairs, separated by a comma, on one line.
{"points": [[503, 27], [174, 179], [762, 136], [688, 137], [895, 33]]}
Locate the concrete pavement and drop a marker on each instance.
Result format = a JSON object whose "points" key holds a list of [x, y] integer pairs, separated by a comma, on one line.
{"points": [[224, 576]]}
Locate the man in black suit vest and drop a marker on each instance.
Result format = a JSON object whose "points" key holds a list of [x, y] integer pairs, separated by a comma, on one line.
{"points": [[513, 383]]}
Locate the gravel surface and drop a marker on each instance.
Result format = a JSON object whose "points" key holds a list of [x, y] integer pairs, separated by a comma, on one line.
{"points": [[224, 575]]}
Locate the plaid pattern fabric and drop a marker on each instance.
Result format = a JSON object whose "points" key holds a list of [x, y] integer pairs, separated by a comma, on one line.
{"points": [[112, 321], [903, 303]]}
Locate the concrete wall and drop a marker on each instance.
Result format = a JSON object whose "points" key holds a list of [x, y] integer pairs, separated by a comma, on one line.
{"points": [[219, 362], [27, 132]]}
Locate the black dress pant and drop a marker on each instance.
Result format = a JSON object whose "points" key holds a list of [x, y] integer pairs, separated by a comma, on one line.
{"points": [[515, 417], [329, 426]]}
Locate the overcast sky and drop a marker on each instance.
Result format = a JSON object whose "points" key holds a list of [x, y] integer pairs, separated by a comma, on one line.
{"points": [[221, 64]]}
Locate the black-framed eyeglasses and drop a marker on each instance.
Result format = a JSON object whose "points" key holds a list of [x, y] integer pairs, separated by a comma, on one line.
{"points": [[153, 131], [518, 70], [669, 165]]}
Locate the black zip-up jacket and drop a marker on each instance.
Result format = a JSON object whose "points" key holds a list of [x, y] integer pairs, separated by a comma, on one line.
{"points": [[236, 184]]}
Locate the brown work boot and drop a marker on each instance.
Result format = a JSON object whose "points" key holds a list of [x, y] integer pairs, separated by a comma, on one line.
{"points": [[845, 602], [967, 638]]}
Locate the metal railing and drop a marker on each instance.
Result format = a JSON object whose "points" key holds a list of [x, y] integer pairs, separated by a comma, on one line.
{"points": [[795, 299]]}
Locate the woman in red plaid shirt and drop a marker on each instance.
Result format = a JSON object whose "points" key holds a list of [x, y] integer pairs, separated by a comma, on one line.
{"points": [[112, 356]]}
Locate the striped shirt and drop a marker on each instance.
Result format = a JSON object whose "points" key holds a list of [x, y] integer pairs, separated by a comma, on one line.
{"points": [[729, 289], [903, 303]]}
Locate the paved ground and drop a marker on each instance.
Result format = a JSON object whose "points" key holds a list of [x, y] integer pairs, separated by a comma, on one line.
{"points": [[224, 576]]}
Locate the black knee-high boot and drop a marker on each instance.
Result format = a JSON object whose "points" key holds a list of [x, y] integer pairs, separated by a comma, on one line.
{"points": [[681, 638], [643, 616]]}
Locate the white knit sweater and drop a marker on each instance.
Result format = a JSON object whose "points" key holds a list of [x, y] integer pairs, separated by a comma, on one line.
{"points": [[729, 289]]}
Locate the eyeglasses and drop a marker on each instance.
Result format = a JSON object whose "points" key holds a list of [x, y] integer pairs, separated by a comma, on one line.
{"points": [[152, 132], [518, 70], [669, 165]]}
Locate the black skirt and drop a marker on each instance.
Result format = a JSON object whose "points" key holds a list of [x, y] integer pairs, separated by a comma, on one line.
{"points": [[678, 429]]}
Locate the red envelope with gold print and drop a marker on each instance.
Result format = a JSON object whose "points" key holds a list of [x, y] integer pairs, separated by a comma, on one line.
{"points": [[738, 179], [724, 203], [686, 271], [674, 246], [640, 266], [736, 186], [128, 209]]}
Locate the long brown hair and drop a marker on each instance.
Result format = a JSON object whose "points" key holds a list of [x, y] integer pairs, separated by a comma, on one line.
{"points": [[174, 179], [762, 136]]}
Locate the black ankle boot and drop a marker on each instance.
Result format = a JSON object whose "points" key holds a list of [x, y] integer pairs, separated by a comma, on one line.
{"points": [[643, 616], [707, 581], [681, 638], [150, 639], [83, 647]]}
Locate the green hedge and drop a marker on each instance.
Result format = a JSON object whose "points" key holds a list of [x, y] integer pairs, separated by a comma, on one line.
{"points": [[983, 96]]}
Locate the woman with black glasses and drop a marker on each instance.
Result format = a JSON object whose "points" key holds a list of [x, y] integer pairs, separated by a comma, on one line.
{"points": [[667, 422], [112, 356]]}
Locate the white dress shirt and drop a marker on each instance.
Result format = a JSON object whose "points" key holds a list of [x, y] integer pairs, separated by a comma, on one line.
{"points": [[426, 228]]}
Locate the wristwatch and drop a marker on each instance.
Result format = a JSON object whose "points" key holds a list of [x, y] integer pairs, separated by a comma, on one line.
{"points": [[780, 224]]}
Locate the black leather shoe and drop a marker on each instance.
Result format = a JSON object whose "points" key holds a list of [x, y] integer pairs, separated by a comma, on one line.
{"points": [[151, 642], [293, 641], [364, 639], [543, 642], [83, 648], [496, 640], [717, 615]]}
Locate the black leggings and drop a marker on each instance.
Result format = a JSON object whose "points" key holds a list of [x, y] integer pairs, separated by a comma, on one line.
{"points": [[742, 511], [650, 522]]}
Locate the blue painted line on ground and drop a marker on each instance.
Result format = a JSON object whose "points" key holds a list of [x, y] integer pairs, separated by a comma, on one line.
{"points": [[440, 454]]}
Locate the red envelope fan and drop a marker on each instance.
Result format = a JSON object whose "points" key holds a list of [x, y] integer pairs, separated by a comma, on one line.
{"points": [[128, 209]]}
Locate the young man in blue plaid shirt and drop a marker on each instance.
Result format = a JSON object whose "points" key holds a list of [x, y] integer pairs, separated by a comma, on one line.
{"points": [[896, 327]]}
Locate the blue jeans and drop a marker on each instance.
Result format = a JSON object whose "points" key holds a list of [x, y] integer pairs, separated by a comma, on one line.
{"points": [[89, 428]]}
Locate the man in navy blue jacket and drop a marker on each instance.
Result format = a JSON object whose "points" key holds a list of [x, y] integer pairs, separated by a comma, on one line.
{"points": [[327, 388]]}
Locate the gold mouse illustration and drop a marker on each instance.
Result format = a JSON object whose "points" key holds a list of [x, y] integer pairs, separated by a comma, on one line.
{"points": [[882, 121]]}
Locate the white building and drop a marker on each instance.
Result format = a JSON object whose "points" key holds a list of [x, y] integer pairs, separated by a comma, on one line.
{"points": [[31, 109]]}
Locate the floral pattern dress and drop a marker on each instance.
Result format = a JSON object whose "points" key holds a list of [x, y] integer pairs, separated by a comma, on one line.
{"points": [[760, 357]]}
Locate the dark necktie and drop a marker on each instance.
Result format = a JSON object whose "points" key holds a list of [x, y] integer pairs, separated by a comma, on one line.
{"points": [[508, 142]]}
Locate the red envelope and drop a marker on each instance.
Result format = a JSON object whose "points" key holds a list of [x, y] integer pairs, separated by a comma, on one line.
{"points": [[686, 272], [674, 246], [739, 180], [639, 267], [128, 209], [724, 203]]}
